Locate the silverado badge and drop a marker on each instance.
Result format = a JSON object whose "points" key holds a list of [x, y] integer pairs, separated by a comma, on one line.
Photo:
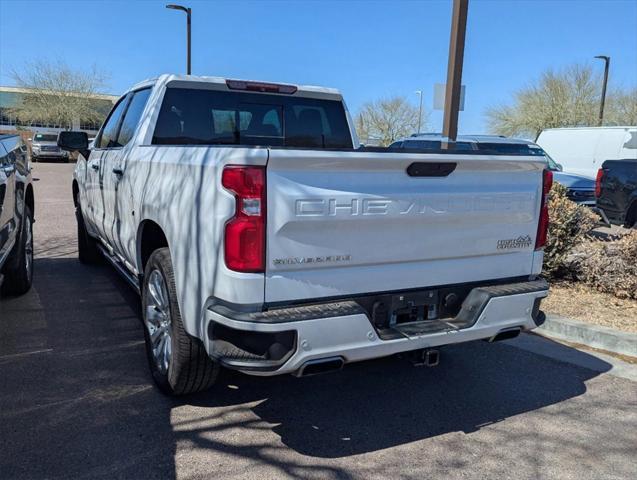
{"points": [[523, 241]]}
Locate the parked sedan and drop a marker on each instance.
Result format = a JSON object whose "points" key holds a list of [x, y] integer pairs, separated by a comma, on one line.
{"points": [[44, 146], [16, 216], [581, 189]]}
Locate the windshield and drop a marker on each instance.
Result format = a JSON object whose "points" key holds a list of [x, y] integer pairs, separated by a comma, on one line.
{"points": [[512, 148], [520, 149], [45, 137], [553, 166]]}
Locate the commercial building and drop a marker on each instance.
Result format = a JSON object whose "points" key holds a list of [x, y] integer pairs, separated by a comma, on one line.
{"points": [[11, 98]]}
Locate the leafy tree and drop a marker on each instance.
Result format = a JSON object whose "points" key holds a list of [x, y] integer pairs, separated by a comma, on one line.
{"points": [[569, 97], [58, 94], [387, 120]]}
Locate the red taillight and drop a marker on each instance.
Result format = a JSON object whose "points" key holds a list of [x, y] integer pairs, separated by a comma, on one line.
{"points": [[543, 224], [598, 183], [244, 243]]}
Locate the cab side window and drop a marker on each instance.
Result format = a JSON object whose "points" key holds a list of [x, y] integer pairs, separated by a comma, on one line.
{"points": [[133, 116], [108, 136]]}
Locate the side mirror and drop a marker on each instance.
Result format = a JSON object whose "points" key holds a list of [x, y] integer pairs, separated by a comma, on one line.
{"points": [[73, 141]]}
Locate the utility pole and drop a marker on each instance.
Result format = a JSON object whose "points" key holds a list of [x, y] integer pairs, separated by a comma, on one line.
{"points": [[454, 72], [603, 100], [188, 13], [419, 93]]}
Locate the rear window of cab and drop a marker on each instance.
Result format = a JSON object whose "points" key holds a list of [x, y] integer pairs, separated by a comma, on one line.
{"points": [[210, 117]]}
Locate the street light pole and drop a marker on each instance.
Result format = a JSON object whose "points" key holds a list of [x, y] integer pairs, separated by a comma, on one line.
{"points": [[188, 13], [419, 93], [603, 100]]}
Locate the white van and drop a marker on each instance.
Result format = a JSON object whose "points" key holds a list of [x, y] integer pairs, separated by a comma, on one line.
{"points": [[582, 150]]}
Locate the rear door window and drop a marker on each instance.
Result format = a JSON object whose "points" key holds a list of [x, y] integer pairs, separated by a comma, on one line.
{"points": [[108, 135], [209, 117], [133, 115]]}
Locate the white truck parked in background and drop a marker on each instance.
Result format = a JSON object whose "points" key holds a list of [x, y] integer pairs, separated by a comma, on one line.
{"points": [[261, 239]]}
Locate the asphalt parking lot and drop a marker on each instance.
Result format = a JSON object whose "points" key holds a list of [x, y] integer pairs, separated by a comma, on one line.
{"points": [[76, 399]]}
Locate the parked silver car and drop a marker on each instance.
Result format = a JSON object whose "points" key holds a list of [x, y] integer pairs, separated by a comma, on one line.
{"points": [[44, 146]]}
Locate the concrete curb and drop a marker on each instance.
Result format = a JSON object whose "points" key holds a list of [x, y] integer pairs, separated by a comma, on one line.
{"points": [[623, 343]]}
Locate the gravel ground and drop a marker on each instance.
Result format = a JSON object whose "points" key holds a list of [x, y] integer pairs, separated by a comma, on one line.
{"points": [[581, 302]]}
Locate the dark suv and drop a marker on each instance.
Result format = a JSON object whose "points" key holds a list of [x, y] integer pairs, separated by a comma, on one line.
{"points": [[16, 216]]}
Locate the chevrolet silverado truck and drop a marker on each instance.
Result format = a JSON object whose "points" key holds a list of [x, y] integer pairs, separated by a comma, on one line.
{"points": [[262, 237]]}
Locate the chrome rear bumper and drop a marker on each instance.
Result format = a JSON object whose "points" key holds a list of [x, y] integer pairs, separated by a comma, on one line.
{"points": [[301, 335]]}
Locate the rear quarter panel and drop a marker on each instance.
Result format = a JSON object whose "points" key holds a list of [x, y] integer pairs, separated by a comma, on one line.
{"points": [[178, 188]]}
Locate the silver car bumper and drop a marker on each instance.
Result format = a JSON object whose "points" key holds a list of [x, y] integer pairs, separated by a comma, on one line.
{"points": [[350, 335], [58, 154]]}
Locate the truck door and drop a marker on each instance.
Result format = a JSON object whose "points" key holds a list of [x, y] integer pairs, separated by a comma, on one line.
{"points": [[118, 225], [98, 174], [7, 202]]}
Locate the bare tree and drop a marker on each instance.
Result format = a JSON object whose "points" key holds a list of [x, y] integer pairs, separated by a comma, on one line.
{"points": [[622, 107], [387, 120], [58, 94]]}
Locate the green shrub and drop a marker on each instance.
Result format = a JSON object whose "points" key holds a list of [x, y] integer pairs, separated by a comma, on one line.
{"points": [[568, 227]]}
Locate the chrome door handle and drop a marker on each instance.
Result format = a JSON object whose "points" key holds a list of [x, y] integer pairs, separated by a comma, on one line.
{"points": [[118, 171], [95, 166]]}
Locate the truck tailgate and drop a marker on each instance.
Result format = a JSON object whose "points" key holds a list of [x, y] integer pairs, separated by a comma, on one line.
{"points": [[344, 223]]}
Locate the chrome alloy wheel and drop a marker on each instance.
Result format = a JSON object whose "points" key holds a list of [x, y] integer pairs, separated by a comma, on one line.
{"points": [[157, 320]]}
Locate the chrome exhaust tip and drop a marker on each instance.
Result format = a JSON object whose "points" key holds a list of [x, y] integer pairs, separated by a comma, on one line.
{"points": [[321, 365], [506, 334]]}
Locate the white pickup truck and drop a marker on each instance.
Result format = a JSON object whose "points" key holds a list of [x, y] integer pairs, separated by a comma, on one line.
{"points": [[263, 239]]}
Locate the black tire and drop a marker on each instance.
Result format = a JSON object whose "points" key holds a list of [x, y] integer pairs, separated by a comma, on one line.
{"points": [[190, 370], [87, 250], [18, 270]]}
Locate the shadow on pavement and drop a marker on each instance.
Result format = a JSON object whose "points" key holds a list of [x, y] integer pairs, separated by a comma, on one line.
{"points": [[76, 398], [385, 403]]}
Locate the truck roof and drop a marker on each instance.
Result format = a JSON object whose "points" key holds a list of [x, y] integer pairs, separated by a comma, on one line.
{"points": [[221, 81], [613, 127], [470, 138]]}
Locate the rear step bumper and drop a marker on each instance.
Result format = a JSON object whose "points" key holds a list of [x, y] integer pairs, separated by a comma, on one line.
{"points": [[287, 340]]}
